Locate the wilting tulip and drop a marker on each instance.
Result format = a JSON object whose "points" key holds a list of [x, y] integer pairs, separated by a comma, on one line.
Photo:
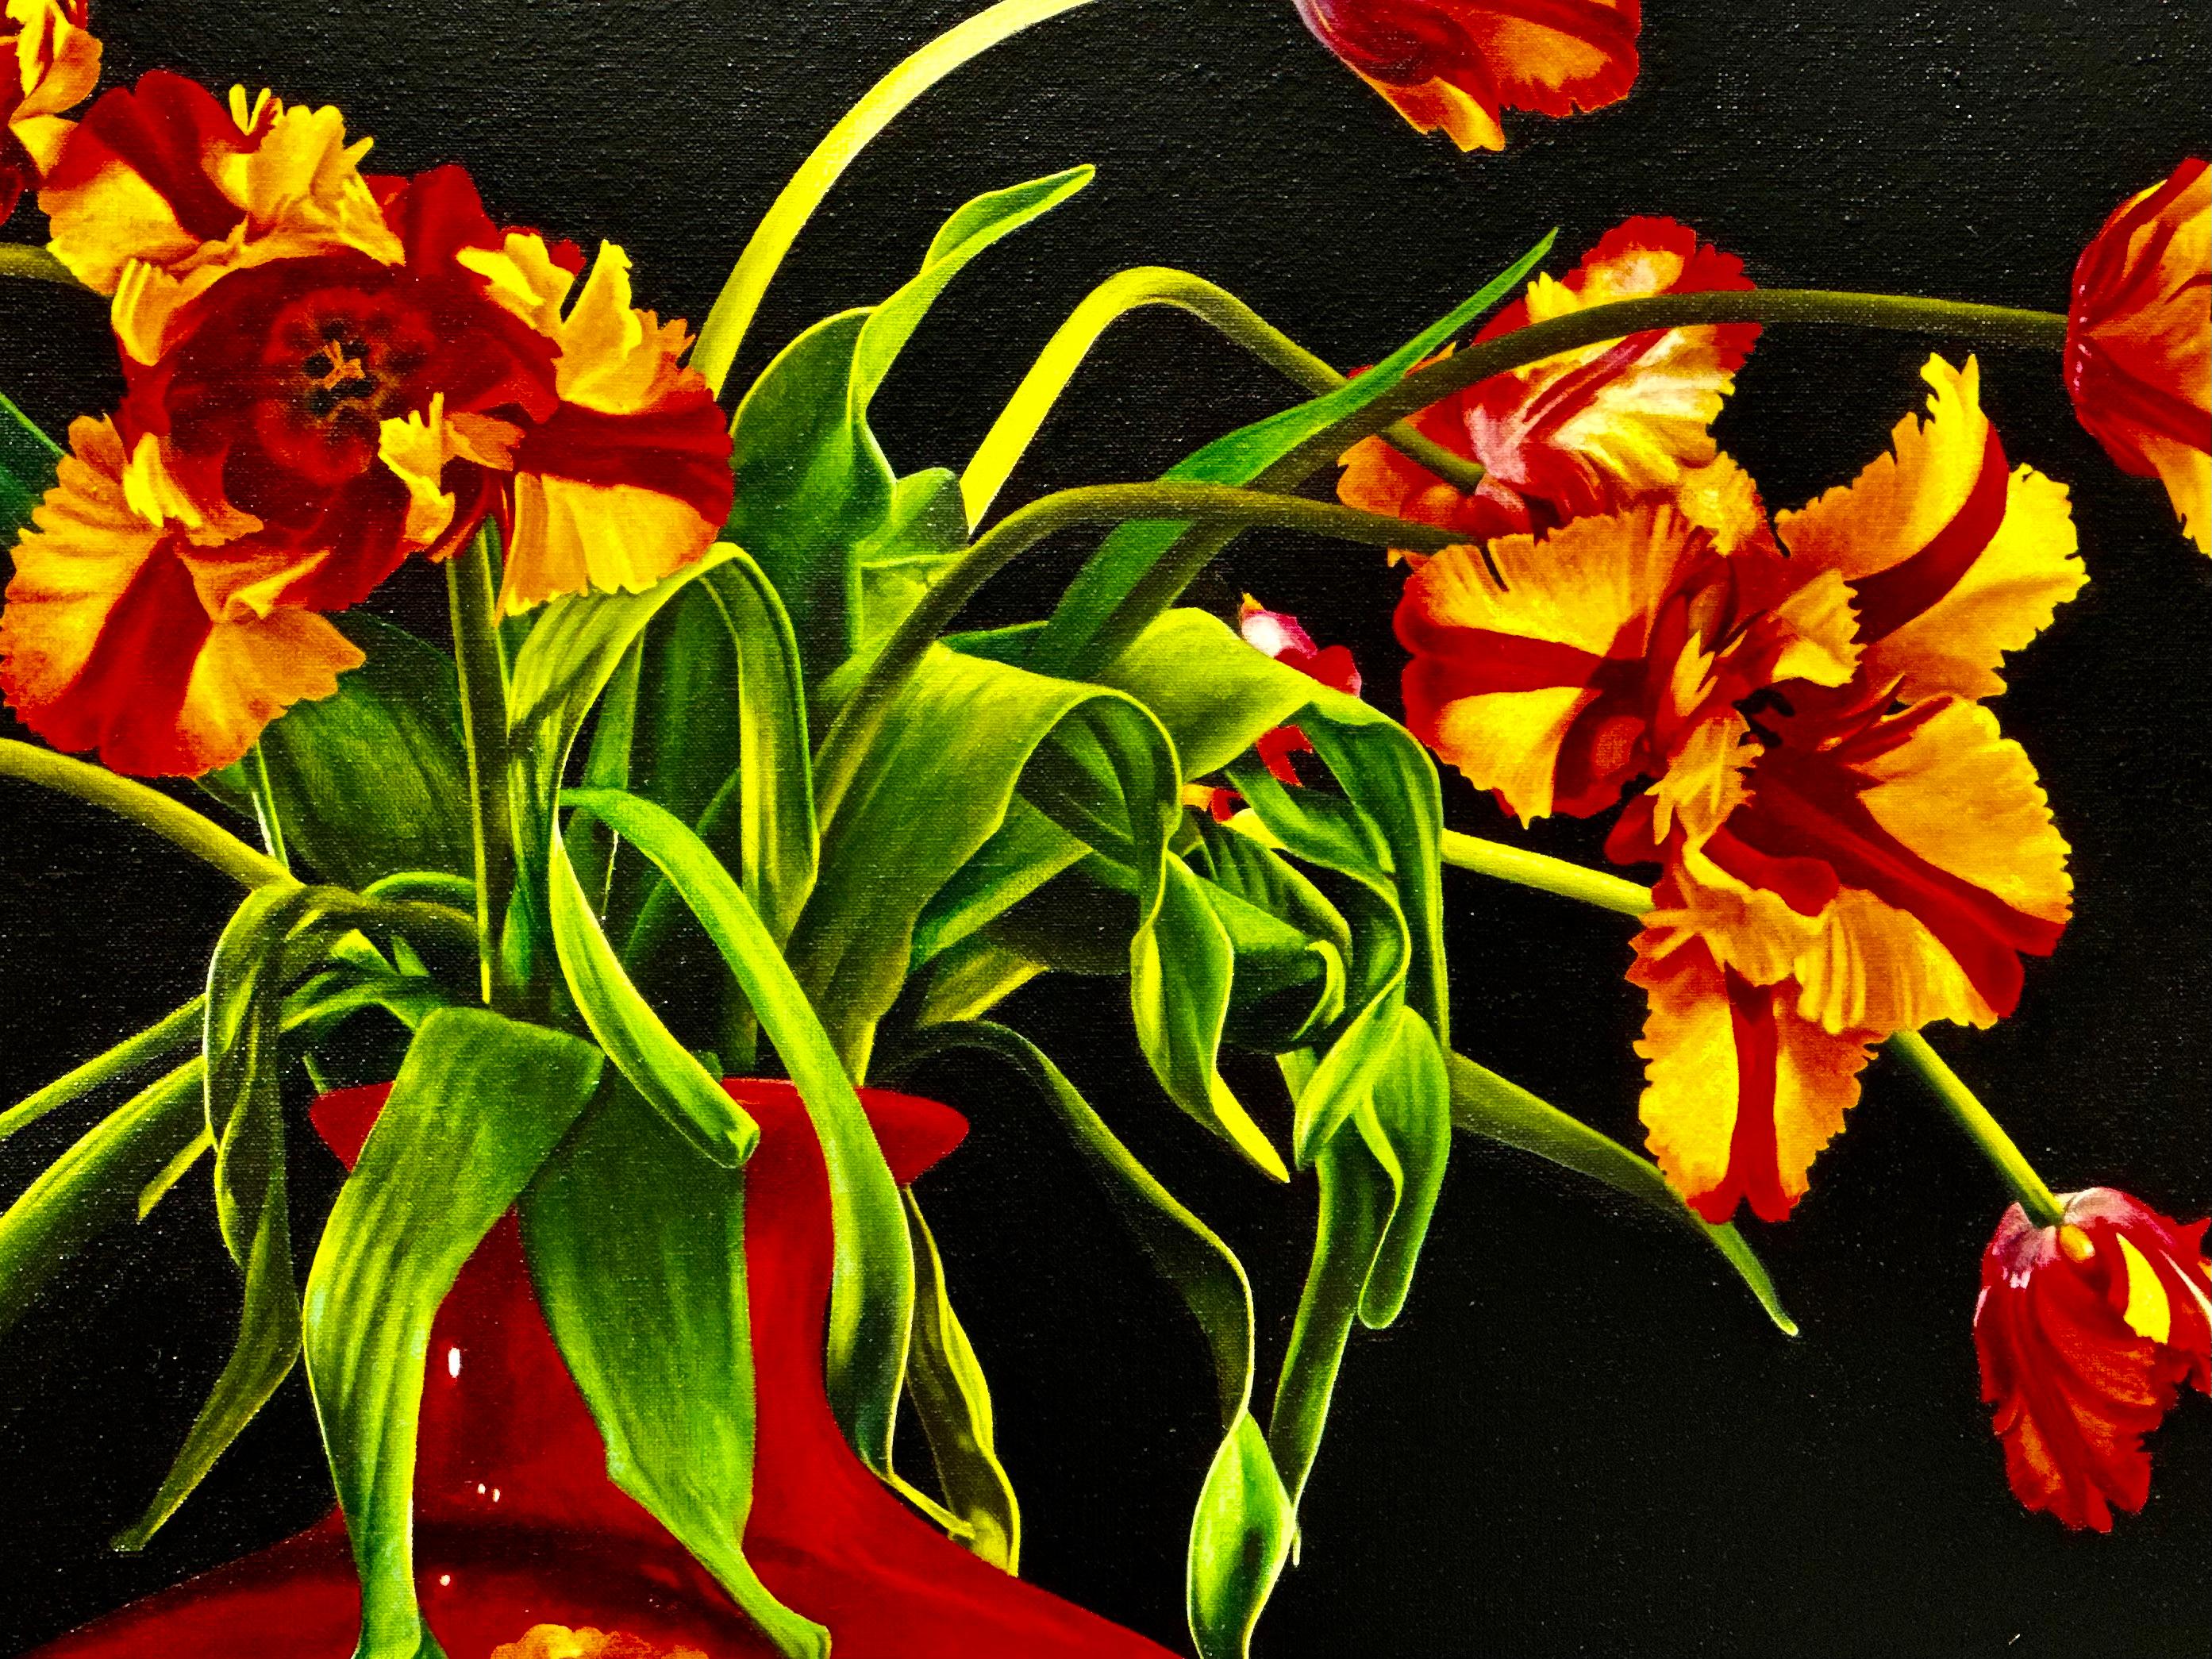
{"points": [[2139, 341], [523, 1549], [2086, 1332], [1455, 64]]}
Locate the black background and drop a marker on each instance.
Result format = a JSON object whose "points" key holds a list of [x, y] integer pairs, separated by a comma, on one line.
{"points": [[1583, 1438]]}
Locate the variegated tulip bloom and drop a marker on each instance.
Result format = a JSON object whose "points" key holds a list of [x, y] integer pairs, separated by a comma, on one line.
{"points": [[326, 372], [1849, 847]]}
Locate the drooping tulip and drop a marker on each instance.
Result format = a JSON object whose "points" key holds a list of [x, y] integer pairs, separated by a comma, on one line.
{"points": [[2086, 1332]]}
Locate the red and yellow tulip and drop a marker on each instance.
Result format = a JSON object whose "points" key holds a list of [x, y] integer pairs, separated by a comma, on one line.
{"points": [[49, 63], [1453, 65], [2086, 1331], [2139, 341], [327, 372]]}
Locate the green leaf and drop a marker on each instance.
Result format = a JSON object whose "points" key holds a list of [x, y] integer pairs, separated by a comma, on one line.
{"points": [[924, 531], [479, 1104], [1286, 987], [374, 779], [872, 1273], [1241, 1531], [813, 486], [733, 314], [575, 652], [952, 1400], [1406, 1124], [93, 1185], [1088, 627], [274, 935], [1214, 693], [1240, 1540], [27, 462], [658, 1066], [1179, 990], [637, 1250], [165, 1035], [1203, 1271], [1486, 1105], [759, 817], [930, 795], [1357, 1201], [970, 979]]}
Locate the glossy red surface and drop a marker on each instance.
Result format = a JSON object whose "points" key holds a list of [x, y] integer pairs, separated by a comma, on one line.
{"points": [[517, 1525]]}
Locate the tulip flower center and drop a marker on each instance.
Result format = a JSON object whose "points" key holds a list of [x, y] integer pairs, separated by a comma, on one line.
{"points": [[338, 363]]}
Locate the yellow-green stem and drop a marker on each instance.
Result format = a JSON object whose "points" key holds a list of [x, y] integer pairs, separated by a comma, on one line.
{"points": [[148, 808], [2035, 1196], [1041, 389], [472, 591], [724, 332], [1609, 892]]}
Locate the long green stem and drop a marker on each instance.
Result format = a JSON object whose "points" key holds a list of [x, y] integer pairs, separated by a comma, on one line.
{"points": [[472, 591], [1997, 326], [37, 265], [1984, 1131], [1041, 389], [1176, 567], [173, 1031], [724, 330], [1574, 881], [148, 808], [865, 711], [1548, 874]]}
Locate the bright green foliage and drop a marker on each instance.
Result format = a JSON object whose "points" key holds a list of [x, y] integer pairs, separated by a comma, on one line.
{"points": [[636, 1247], [658, 1067], [946, 1382], [374, 779], [1243, 1525], [1240, 1539], [274, 936], [871, 1269], [93, 1185], [816, 500], [1486, 1105], [479, 1104], [1136, 575]]}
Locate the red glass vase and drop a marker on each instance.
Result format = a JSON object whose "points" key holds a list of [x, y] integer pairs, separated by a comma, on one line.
{"points": [[517, 1527]]}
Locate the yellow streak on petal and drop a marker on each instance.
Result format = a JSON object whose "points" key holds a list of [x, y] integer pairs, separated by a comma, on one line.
{"points": [[523, 278], [1825, 649], [1434, 105], [1965, 797], [1509, 741], [2148, 1313], [1688, 1045], [1875, 968], [570, 536], [252, 670], [71, 569], [614, 358], [1903, 501], [155, 495]]}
